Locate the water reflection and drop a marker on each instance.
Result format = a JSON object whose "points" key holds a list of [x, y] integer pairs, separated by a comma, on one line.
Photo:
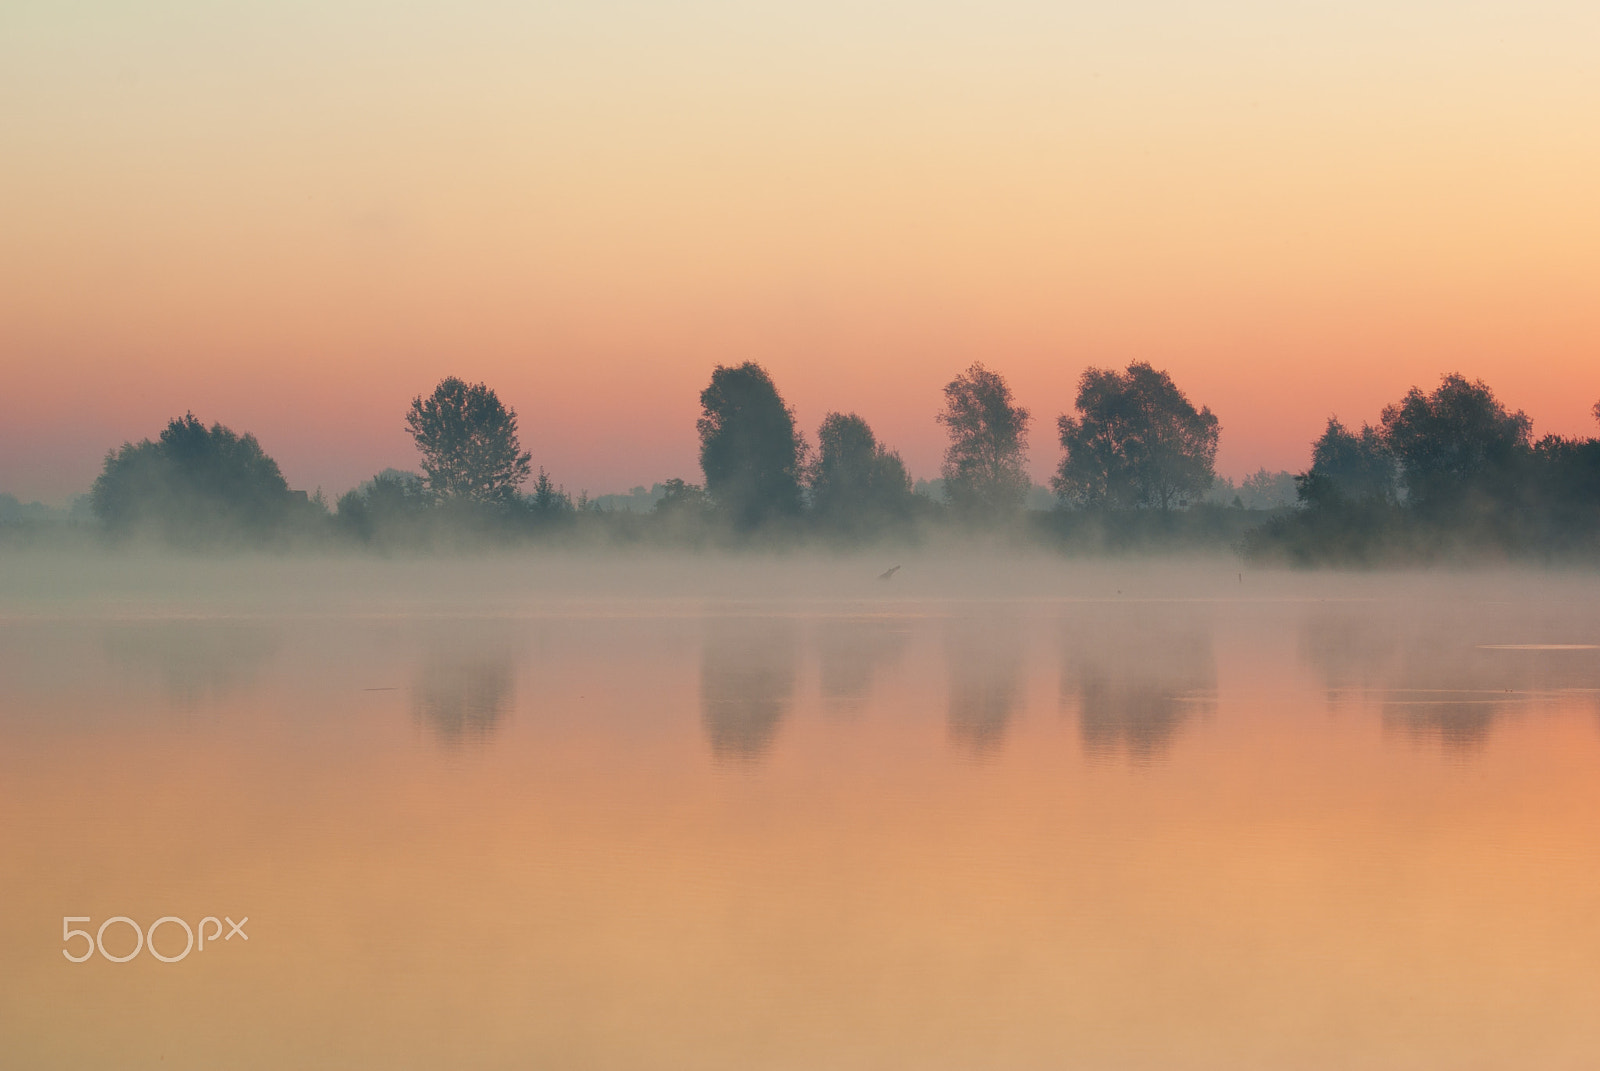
{"points": [[747, 683], [1424, 673], [1136, 675], [1458, 721], [850, 654], [984, 657], [872, 892], [193, 662], [1350, 650], [1430, 674], [462, 701]]}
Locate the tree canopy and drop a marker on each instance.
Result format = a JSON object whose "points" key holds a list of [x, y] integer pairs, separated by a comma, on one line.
{"points": [[750, 451], [1447, 472], [194, 484], [679, 497], [855, 480], [546, 499], [983, 471], [1348, 467], [1452, 441], [391, 498], [1137, 442], [468, 441], [1444, 472]]}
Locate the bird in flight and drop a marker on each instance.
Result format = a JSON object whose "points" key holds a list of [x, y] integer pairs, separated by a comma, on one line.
{"points": [[888, 573]]}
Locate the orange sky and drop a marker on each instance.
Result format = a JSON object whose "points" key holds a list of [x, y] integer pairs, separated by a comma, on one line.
{"points": [[292, 217]]}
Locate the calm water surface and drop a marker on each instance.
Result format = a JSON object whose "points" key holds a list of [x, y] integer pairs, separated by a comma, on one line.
{"points": [[1298, 822]]}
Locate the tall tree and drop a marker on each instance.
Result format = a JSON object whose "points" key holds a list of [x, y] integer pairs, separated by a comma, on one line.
{"points": [[855, 479], [1348, 467], [1457, 441], [193, 484], [983, 464], [1137, 442], [750, 451], [468, 442]]}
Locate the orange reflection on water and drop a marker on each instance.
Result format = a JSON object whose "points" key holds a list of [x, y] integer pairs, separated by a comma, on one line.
{"points": [[1008, 837]]}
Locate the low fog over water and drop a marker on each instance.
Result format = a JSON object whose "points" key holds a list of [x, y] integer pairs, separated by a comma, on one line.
{"points": [[732, 810]]}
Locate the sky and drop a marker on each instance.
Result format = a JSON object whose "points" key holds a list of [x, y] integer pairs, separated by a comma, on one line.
{"points": [[292, 217]]}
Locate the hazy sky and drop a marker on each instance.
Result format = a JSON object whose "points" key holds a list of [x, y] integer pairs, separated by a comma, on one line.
{"points": [[293, 216]]}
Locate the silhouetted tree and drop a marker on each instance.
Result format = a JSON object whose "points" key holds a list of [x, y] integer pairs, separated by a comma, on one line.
{"points": [[14, 511], [983, 465], [1347, 467], [546, 498], [1137, 442], [1453, 440], [750, 452], [193, 484], [468, 442], [854, 478], [680, 497], [389, 499], [1471, 480], [1266, 490], [1563, 483]]}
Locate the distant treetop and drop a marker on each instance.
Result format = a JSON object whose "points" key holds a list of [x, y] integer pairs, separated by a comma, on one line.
{"points": [[1137, 442], [194, 484], [1451, 441], [983, 471], [856, 482], [468, 441], [750, 451]]}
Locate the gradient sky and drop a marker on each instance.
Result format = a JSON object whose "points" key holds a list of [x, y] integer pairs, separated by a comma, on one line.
{"points": [[294, 216]]}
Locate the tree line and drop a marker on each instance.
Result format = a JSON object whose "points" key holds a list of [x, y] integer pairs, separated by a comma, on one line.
{"points": [[1136, 441], [1442, 471]]}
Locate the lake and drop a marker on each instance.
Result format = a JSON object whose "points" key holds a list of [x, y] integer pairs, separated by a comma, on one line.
{"points": [[777, 813]]}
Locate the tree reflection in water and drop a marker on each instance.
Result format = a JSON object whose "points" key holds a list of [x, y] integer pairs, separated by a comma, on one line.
{"points": [[747, 683], [1136, 675], [850, 654], [1445, 675], [984, 656], [194, 662], [462, 701]]}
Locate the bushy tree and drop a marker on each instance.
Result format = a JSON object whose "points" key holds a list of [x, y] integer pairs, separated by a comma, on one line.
{"points": [[390, 500], [194, 484], [1348, 467], [750, 452], [984, 475], [1456, 441], [680, 498], [468, 442], [1137, 442], [1267, 490], [855, 480], [546, 499]]}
